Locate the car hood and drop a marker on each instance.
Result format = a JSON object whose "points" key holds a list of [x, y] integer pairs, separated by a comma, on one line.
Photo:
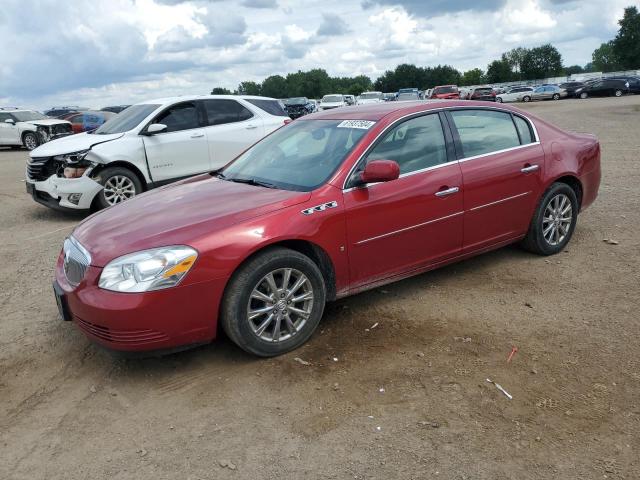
{"points": [[46, 121], [71, 144], [184, 213]]}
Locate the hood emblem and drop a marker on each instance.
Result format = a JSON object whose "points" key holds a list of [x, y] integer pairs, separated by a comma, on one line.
{"points": [[320, 208]]}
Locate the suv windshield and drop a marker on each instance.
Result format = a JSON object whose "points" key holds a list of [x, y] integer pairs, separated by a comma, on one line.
{"points": [[300, 157], [445, 90], [332, 98], [296, 101], [367, 96], [28, 116], [126, 120]]}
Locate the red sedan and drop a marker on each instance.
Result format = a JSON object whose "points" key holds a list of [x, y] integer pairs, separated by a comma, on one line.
{"points": [[330, 205]]}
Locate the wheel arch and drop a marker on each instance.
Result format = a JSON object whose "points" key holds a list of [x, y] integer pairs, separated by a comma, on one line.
{"points": [[575, 184], [122, 164]]}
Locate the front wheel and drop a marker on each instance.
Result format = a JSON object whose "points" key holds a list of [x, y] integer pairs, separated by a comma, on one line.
{"points": [[583, 95], [618, 93], [553, 222], [526, 99], [119, 184], [556, 96], [498, 99], [30, 140], [274, 302]]}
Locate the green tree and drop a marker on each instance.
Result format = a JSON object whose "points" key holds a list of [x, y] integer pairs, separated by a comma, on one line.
{"points": [[515, 58], [499, 71], [573, 69], [220, 91], [626, 45], [275, 86], [542, 62], [604, 58], [474, 76], [249, 88]]}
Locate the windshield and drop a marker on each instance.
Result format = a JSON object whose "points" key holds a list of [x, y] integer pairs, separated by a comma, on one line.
{"points": [[301, 156], [126, 120], [28, 116], [296, 101], [408, 96], [445, 90], [484, 90], [367, 96], [332, 98]]}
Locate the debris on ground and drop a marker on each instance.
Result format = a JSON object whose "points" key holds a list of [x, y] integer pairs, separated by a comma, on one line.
{"points": [[142, 452], [335, 359], [610, 241], [227, 464], [527, 304], [513, 352], [499, 387], [371, 327], [462, 339], [301, 361], [429, 424], [420, 354], [381, 390], [93, 389]]}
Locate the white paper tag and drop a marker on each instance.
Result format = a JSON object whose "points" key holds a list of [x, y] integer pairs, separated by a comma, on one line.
{"points": [[363, 124]]}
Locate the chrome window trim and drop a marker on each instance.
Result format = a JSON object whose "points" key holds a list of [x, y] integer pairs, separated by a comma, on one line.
{"points": [[435, 111], [405, 229]]}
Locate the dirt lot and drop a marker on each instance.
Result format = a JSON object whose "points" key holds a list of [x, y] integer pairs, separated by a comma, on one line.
{"points": [[407, 399]]}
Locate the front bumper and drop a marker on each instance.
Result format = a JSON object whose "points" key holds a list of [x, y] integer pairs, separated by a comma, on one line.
{"points": [[136, 322], [54, 192]]}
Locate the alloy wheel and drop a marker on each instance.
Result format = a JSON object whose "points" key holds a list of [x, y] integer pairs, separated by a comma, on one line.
{"points": [[30, 142], [118, 189], [280, 305], [556, 220]]}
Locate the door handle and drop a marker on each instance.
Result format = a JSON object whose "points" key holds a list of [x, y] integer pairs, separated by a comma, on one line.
{"points": [[251, 127], [197, 135], [448, 191], [530, 168]]}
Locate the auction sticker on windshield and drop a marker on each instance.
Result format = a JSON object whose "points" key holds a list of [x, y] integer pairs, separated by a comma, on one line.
{"points": [[363, 124]]}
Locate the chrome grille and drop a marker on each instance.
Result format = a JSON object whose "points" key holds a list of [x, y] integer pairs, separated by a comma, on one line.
{"points": [[76, 261]]}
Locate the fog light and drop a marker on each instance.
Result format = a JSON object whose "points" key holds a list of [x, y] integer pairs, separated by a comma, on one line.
{"points": [[74, 198]]}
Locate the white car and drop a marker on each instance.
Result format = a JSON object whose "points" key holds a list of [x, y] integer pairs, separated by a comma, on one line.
{"points": [[27, 128], [148, 145], [370, 97], [332, 101], [513, 95]]}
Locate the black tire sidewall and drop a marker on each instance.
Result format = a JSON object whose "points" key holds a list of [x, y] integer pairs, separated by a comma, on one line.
{"points": [[583, 95], [537, 240], [109, 172], [235, 303], [556, 96], [617, 93], [526, 99], [24, 140]]}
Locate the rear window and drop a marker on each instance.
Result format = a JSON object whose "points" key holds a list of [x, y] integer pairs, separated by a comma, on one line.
{"points": [[220, 112], [524, 130], [484, 131], [272, 107]]}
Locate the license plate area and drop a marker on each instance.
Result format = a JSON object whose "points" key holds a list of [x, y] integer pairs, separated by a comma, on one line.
{"points": [[61, 301]]}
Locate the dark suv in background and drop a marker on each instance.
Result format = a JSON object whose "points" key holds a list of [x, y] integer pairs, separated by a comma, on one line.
{"points": [[604, 87], [634, 83], [571, 87], [298, 106]]}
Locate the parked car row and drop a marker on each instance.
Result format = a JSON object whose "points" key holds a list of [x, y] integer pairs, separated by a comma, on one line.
{"points": [[26, 128]]}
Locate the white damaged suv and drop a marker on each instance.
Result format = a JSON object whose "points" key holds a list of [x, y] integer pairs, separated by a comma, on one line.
{"points": [[148, 145], [19, 127]]}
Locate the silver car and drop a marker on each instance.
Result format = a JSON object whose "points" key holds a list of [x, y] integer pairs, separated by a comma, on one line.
{"points": [[545, 92]]}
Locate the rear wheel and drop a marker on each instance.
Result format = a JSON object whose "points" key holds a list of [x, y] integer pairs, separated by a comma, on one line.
{"points": [[498, 99], [526, 98], [30, 140], [556, 96], [584, 95], [273, 303], [553, 222], [119, 184], [618, 93]]}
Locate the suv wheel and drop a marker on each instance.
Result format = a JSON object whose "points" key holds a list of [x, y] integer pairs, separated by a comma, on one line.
{"points": [[119, 184], [30, 140], [556, 96], [273, 302], [498, 99], [583, 95], [526, 98], [618, 93]]}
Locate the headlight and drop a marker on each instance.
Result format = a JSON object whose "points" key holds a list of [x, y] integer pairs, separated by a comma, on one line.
{"points": [[74, 157], [148, 270]]}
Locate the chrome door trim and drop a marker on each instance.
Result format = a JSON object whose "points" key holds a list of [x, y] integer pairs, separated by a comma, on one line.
{"points": [[448, 191], [502, 200], [435, 111], [412, 227], [529, 169]]}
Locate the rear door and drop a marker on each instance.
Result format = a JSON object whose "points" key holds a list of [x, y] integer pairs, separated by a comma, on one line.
{"points": [[181, 150], [401, 225], [231, 129], [502, 164], [9, 134]]}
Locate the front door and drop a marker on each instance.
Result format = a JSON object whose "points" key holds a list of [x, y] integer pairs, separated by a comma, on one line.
{"points": [[502, 165], [8, 131], [398, 226], [182, 149]]}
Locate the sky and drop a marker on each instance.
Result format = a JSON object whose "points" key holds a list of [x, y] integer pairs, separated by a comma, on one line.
{"points": [[95, 53]]}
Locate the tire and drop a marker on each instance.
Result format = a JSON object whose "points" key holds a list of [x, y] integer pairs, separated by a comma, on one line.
{"points": [[526, 98], [548, 219], [498, 99], [617, 93], [556, 96], [30, 140], [584, 95], [256, 335], [119, 184]]}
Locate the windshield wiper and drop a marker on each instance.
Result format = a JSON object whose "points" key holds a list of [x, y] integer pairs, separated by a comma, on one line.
{"points": [[250, 181]]}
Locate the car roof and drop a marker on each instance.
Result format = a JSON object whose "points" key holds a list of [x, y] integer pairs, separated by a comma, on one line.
{"points": [[378, 111], [186, 98]]}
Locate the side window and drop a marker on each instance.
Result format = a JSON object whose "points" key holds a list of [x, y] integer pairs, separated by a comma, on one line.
{"points": [[76, 119], [4, 116], [222, 111], [182, 116], [415, 144], [484, 131], [524, 130]]}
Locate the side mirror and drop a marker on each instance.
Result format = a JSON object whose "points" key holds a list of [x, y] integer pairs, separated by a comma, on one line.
{"points": [[10, 120], [380, 171], [156, 128]]}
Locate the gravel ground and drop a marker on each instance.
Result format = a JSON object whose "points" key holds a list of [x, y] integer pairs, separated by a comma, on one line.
{"points": [[407, 399]]}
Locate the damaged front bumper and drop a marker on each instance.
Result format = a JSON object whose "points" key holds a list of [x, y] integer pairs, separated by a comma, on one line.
{"points": [[64, 193]]}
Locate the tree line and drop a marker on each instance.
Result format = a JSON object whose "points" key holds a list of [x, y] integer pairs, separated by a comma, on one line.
{"points": [[544, 61]]}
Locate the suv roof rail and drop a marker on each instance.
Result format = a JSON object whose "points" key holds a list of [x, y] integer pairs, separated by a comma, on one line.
{"points": [[9, 108]]}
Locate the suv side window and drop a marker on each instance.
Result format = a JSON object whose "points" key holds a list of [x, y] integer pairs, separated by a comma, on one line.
{"points": [[223, 111], [484, 131], [415, 144], [4, 116], [524, 130], [182, 116]]}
